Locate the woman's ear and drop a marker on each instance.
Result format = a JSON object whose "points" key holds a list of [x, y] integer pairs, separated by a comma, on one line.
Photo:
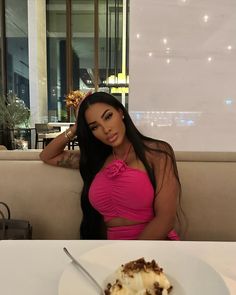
{"points": [[121, 114]]}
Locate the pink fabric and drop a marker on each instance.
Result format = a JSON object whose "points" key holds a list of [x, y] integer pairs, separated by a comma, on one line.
{"points": [[132, 232], [122, 191]]}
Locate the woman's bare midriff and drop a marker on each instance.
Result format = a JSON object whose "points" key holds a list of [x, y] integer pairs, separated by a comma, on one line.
{"points": [[118, 221]]}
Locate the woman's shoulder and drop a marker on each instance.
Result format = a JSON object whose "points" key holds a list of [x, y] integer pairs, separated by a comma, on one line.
{"points": [[160, 155], [158, 152], [156, 146]]}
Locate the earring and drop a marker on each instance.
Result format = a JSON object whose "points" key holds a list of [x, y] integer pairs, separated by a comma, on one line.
{"points": [[123, 117]]}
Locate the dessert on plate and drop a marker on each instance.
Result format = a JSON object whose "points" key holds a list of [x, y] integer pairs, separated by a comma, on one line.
{"points": [[139, 277]]}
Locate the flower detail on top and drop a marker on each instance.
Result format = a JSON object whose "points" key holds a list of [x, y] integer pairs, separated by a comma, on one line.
{"points": [[115, 168]]}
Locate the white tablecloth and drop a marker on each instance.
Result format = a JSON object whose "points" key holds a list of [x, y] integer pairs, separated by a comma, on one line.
{"points": [[62, 125], [35, 267]]}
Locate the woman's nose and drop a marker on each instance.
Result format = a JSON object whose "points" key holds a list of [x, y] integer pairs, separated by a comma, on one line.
{"points": [[106, 129]]}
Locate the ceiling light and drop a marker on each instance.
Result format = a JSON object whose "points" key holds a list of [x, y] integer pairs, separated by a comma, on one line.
{"points": [[229, 47], [183, 2], [168, 61], [205, 18], [164, 40]]}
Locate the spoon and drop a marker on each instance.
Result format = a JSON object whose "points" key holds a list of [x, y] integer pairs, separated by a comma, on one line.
{"points": [[80, 267]]}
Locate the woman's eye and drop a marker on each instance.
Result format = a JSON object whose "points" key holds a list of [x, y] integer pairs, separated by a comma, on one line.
{"points": [[108, 116], [93, 128]]}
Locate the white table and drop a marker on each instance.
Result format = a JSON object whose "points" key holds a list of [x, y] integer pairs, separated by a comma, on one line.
{"points": [[49, 135], [62, 125], [35, 267]]}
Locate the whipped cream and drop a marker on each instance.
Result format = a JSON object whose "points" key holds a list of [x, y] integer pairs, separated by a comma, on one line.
{"points": [[139, 277]]}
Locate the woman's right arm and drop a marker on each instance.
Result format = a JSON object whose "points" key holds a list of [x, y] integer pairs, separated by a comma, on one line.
{"points": [[55, 154]]}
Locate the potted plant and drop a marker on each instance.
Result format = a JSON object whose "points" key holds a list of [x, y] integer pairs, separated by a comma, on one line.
{"points": [[13, 114]]}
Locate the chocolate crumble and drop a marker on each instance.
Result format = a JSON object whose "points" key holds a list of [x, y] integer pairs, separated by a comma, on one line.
{"points": [[137, 266], [141, 265]]}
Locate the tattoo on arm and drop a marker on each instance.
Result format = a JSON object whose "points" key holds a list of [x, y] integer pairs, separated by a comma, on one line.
{"points": [[70, 160]]}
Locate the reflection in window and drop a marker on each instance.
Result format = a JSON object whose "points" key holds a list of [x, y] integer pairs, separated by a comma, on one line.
{"points": [[112, 52], [17, 49], [83, 44], [113, 41], [1, 86], [56, 56]]}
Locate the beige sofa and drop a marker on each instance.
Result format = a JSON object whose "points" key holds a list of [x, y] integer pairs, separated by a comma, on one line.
{"points": [[47, 196], [209, 194], [50, 197]]}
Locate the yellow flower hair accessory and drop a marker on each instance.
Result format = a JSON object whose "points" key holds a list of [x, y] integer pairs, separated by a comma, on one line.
{"points": [[74, 98]]}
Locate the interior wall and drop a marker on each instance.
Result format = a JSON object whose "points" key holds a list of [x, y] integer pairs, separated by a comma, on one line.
{"points": [[182, 72]]}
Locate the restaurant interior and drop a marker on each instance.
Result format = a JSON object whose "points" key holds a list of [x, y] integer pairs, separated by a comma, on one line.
{"points": [[172, 64]]}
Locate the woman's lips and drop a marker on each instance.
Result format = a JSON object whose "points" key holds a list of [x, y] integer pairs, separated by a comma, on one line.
{"points": [[112, 138]]}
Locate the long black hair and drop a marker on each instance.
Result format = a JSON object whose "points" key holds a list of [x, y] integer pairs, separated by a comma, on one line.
{"points": [[93, 154]]}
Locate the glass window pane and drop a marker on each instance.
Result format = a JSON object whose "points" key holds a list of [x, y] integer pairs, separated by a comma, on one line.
{"points": [[83, 44], [1, 86], [17, 49], [113, 48], [56, 55]]}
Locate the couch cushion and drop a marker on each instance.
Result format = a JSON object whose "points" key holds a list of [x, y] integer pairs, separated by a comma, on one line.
{"points": [[47, 196]]}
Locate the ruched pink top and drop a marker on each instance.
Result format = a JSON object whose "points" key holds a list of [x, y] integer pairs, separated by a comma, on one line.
{"points": [[121, 191]]}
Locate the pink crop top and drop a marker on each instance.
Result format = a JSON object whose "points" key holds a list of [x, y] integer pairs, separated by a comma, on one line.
{"points": [[121, 191]]}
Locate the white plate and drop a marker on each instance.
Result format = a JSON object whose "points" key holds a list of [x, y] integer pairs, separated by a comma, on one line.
{"points": [[188, 274]]}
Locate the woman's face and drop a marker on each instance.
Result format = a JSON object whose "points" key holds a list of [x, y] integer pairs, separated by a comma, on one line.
{"points": [[106, 123]]}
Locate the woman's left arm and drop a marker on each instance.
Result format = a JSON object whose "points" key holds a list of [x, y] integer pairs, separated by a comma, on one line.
{"points": [[166, 200]]}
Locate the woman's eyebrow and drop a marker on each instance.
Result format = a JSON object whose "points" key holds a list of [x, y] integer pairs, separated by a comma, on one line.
{"points": [[102, 116], [104, 113]]}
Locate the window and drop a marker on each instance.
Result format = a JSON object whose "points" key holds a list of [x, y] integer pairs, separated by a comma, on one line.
{"points": [[95, 61], [17, 49]]}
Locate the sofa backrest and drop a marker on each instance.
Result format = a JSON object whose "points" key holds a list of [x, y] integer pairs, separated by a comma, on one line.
{"points": [[208, 194], [49, 197]]}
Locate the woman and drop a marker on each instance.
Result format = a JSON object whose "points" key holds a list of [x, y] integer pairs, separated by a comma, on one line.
{"points": [[131, 184]]}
